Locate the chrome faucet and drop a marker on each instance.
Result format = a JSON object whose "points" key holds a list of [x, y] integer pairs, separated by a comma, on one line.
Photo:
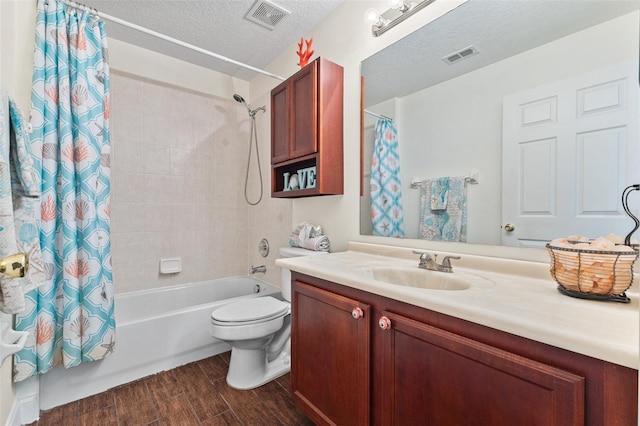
{"points": [[260, 268], [430, 263]]}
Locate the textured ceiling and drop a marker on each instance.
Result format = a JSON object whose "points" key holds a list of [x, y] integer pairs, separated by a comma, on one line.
{"points": [[218, 26], [497, 28]]}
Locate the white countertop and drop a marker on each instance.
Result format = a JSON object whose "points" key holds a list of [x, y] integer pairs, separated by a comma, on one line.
{"points": [[514, 296]]}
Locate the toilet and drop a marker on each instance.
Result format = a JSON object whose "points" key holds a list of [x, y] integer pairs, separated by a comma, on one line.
{"points": [[259, 332]]}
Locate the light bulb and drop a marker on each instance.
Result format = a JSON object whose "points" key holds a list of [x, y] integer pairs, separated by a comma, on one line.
{"points": [[371, 16], [399, 5]]}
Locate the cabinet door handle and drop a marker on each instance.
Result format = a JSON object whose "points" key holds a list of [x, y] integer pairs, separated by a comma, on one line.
{"points": [[357, 313], [384, 323]]}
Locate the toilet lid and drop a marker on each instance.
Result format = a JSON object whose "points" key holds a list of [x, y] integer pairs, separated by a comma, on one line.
{"points": [[258, 308]]}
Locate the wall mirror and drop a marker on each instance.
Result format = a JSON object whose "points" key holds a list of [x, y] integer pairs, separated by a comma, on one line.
{"points": [[476, 92]]}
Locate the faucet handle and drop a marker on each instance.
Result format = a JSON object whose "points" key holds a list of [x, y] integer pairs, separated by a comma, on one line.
{"points": [[446, 262], [425, 258], [423, 254]]}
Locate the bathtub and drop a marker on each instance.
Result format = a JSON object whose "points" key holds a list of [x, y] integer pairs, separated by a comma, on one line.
{"points": [[156, 330]]}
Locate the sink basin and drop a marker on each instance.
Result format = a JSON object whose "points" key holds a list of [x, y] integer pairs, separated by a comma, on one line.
{"points": [[419, 278]]}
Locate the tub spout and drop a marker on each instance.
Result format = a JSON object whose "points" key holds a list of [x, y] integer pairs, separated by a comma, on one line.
{"points": [[260, 268]]}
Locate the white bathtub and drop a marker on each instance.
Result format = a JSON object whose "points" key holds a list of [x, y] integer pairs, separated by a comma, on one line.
{"points": [[156, 330]]}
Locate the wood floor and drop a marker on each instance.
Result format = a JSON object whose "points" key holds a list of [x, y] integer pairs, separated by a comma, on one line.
{"points": [[194, 394]]}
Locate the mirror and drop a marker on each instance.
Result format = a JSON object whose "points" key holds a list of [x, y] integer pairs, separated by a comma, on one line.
{"points": [[449, 113]]}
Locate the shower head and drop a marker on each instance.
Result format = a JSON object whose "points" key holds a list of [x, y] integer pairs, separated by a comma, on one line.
{"points": [[240, 99]]}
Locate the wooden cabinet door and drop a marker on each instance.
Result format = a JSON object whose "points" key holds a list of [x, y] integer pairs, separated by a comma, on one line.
{"points": [[279, 124], [434, 377], [330, 362], [304, 111]]}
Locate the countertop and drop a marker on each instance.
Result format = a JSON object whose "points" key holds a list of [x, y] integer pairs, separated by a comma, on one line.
{"points": [[514, 296]]}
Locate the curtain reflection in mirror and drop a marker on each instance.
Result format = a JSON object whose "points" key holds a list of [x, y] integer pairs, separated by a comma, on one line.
{"points": [[386, 188]]}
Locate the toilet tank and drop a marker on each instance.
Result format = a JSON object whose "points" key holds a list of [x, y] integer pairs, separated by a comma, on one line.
{"points": [[285, 280]]}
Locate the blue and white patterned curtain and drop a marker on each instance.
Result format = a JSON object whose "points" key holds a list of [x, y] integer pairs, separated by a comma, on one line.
{"points": [[386, 189], [70, 317]]}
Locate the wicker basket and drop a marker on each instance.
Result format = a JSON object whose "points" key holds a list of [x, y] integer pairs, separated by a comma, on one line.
{"points": [[593, 272]]}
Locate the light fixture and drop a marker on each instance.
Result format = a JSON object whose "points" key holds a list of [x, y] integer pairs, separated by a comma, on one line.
{"points": [[399, 5], [398, 12]]}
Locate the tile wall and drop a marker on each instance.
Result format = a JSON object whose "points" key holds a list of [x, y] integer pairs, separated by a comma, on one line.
{"points": [[178, 169]]}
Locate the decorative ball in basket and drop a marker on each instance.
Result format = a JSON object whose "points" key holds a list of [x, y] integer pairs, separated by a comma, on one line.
{"points": [[601, 269]]}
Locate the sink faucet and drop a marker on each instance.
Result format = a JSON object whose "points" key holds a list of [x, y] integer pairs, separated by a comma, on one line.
{"points": [[430, 263], [260, 268]]}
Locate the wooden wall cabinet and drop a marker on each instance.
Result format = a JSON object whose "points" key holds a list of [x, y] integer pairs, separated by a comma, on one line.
{"points": [[307, 131], [428, 368]]}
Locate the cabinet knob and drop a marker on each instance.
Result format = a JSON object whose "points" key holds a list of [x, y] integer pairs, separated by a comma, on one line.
{"points": [[357, 313], [384, 323]]}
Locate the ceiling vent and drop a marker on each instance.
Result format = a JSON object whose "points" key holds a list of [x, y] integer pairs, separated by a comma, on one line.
{"points": [[461, 54], [266, 14]]}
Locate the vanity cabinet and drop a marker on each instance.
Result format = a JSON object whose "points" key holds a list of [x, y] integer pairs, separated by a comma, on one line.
{"points": [[333, 341], [360, 359], [454, 380], [307, 132]]}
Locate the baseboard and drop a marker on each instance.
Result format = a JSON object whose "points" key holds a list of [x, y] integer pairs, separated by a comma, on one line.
{"points": [[26, 405], [28, 408], [13, 418]]}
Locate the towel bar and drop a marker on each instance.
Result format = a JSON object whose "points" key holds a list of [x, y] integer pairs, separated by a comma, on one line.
{"points": [[473, 179]]}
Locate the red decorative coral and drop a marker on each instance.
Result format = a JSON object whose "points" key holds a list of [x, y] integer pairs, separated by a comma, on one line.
{"points": [[306, 54]]}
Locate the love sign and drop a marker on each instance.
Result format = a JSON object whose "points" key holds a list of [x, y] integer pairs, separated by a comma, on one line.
{"points": [[303, 179]]}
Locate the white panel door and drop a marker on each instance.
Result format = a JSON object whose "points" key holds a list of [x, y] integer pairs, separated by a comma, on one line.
{"points": [[569, 149]]}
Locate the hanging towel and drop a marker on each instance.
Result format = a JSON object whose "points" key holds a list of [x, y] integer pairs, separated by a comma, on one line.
{"points": [[19, 203], [439, 191], [449, 224], [386, 189]]}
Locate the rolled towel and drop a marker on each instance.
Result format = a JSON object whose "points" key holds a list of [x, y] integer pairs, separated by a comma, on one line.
{"points": [[320, 243], [303, 232]]}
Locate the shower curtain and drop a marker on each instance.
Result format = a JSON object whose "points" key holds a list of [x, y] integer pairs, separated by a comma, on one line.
{"points": [[70, 317], [386, 189]]}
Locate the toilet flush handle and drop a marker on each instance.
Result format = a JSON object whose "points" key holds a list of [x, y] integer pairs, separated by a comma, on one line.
{"points": [[357, 313]]}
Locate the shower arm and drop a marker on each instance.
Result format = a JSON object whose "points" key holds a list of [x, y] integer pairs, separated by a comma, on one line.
{"points": [[255, 111]]}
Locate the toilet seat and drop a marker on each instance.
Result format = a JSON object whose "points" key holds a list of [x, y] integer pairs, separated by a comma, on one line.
{"points": [[249, 311]]}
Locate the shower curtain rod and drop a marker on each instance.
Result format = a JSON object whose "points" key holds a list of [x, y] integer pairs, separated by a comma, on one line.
{"points": [[166, 38], [384, 117]]}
